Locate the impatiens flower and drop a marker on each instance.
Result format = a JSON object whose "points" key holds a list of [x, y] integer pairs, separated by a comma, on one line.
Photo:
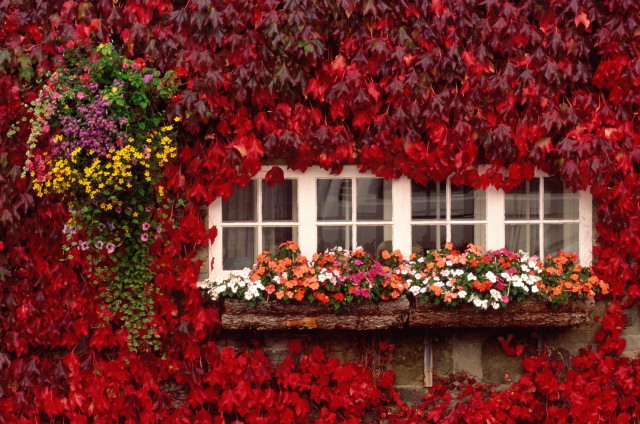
{"points": [[110, 248], [84, 245], [147, 78], [99, 244], [80, 95], [145, 226], [144, 236]]}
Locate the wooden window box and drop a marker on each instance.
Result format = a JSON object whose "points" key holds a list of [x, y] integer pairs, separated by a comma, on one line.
{"points": [[239, 315], [528, 313]]}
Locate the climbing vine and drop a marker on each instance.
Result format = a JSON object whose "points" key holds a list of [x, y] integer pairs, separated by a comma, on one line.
{"points": [[426, 90]]}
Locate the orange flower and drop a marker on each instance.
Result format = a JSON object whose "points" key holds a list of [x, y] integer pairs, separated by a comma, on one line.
{"points": [[482, 286], [338, 296], [448, 245], [557, 290], [279, 294], [270, 289], [436, 290], [395, 294], [385, 255], [299, 295]]}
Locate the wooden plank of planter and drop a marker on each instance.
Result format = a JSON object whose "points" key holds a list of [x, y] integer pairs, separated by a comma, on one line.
{"points": [[528, 313], [239, 315]]}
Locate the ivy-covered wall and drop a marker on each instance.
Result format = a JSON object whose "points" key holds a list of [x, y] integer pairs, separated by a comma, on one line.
{"points": [[424, 89]]}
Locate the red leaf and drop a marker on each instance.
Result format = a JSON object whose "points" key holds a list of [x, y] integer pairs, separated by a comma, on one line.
{"points": [[274, 176]]}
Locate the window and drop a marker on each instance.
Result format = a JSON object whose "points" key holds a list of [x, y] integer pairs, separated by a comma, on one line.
{"points": [[319, 211]]}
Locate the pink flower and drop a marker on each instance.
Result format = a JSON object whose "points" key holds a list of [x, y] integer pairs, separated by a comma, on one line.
{"points": [[505, 298], [144, 237], [145, 226], [80, 95]]}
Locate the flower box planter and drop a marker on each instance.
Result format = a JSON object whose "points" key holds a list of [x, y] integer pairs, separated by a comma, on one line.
{"points": [[239, 315], [528, 313]]}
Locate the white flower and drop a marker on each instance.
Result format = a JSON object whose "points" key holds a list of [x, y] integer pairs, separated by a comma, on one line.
{"points": [[491, 276], [462, 294], [471, 277]]}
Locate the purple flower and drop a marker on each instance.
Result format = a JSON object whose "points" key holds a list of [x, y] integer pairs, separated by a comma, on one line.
{"points": [[84, 245], [99, 244], [147, 78], [110, 248], [158, 229], [144, 237], [145, 226]]}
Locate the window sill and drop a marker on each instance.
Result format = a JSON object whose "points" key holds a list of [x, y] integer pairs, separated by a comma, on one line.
{"points": [[400, 313]]}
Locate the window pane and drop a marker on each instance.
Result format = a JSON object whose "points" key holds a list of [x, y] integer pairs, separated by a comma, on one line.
{"points": [[374, 238], [524, 237], [467, 203], [560, 236], [238, 249], [426, 237], [334, 199], [559, 202], [331, 236], [241, 206], [462, 235], [280, 202], [428, 202], [272, 237], [373, 199], [524, 201]]}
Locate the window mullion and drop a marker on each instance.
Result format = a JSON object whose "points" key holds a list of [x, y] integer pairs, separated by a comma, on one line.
{"points": [[401, 215], [447, 200], [354, 215], [215, 248], [495, 232], [307, 214], [541, 217], [585, 229]]}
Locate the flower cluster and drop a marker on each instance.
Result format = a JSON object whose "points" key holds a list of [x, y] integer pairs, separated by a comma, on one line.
{"points": [[106, 138], [446, 277], [564, 278], [486, 280], [337, 277]]}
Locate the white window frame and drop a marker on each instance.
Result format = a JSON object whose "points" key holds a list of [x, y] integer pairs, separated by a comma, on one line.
{"points": [[401, 221]]}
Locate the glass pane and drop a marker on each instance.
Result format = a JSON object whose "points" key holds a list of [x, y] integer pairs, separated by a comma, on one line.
{"points": [[428, 202], [373, 199], [467, 203], [462, 235], [238, 247], [560, 236], [280, 202], [334, 199], [524, 237], [427, 237], [241, 206], [524, 201], [559, 202], [332, 236], [272, 237], [374, 238]]}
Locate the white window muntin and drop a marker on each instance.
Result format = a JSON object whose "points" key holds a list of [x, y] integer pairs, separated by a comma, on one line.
{"points": [[401, 216]]}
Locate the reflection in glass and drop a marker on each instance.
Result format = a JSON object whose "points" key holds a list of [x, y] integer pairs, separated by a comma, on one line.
{"points": [[559, 202], [241, 205], [373, 199], [426, 237], [462, 235], [467, 203], [524, 201], [334, 199], [272, 237], [280, 202], [374, 238], [428, 202], [524, 237], [331, 236], [560, 236], [238, 250]]}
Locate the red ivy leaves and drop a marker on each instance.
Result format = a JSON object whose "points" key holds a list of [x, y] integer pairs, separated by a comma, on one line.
{"points": [[427, 90]]}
